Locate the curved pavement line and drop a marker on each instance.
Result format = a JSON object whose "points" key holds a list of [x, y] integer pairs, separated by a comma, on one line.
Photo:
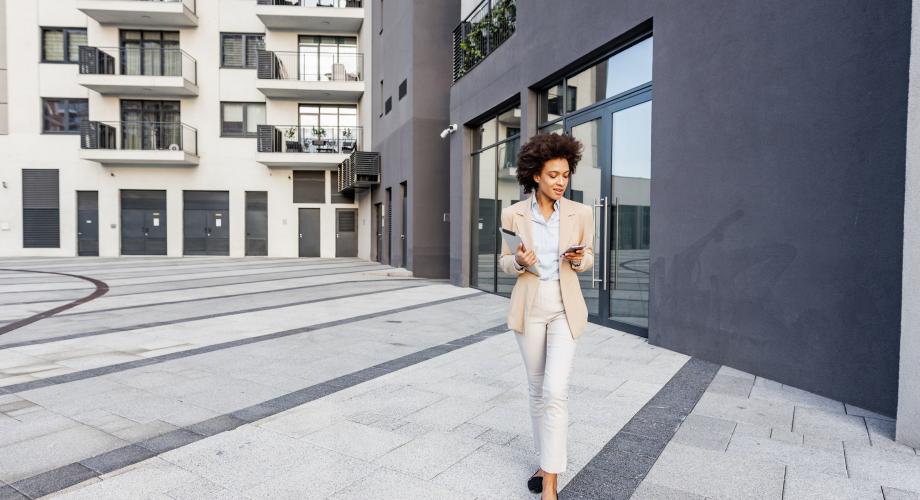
{"points": [[101, 289]]}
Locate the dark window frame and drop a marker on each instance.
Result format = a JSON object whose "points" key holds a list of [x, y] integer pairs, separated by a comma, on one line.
{"points": [[245, 104], [576, 70], [388, 105], [68, 118], [66, 31], [403, 88], [245, 49]]}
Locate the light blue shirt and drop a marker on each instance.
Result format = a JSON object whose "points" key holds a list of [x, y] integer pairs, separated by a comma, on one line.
{"points": [[545, 241]]}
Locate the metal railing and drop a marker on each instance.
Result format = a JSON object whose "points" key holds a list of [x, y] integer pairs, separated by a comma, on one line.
{"points": [[139, 136], [488, 26], [308, 139], [310, 66], [313, 3], [148, 61]]}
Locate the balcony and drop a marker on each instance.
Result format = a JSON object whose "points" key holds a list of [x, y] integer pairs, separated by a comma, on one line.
{"points": [[317, 16], [324, 76], [139, 143], [135, 71], [290, 146], [484, 30], [360, 170], [159, 13]]}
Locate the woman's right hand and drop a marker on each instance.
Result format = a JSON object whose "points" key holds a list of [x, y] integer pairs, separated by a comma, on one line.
{"points": [[525, 258]]}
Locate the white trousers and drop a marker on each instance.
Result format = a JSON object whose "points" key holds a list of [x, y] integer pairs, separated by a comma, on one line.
{"points": [[548, 349]]}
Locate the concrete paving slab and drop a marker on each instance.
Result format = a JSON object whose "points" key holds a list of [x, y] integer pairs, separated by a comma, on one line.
{"points": [[432, 453], [717, 475]]}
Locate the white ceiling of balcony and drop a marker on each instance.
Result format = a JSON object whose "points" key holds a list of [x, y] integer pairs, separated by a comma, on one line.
{"points": [[314, 19], [137, 13]]}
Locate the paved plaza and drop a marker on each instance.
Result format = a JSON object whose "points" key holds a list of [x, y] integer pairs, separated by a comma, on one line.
{"points": [[181, 378]]}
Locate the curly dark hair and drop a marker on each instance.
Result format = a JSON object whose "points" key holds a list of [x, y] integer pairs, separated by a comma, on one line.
{"points": [[540, 149]]}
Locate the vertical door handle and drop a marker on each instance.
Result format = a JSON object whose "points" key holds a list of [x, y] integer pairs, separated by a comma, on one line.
{"points": [[607, 239], [597, 238]]}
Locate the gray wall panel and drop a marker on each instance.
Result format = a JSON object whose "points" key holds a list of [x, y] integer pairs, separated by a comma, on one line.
{"points": [[415, 45], [778, 176], [908, 423]]}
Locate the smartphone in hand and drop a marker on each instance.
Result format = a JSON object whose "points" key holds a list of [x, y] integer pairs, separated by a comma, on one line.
{"points": [[574, 248]]}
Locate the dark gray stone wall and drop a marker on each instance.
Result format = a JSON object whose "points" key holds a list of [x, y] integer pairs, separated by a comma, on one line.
{"points": [[778, 152], [415, 45]]}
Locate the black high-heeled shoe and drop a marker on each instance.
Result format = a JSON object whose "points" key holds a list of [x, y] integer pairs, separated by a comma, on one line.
{"points": [[535, 483]]}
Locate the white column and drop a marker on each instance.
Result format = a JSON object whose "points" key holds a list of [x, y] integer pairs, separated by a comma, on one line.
{"points": [[908, 424]]}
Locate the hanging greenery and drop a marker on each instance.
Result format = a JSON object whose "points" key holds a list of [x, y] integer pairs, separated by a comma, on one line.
{"points": [[483, 36]]}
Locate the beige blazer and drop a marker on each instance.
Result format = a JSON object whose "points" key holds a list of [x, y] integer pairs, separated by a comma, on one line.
{"points": [[576, 225]]}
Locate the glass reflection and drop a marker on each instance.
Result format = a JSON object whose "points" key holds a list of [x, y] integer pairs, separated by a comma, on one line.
{"points": [[622, 71], [550, 104], [508, 194], [585, 187], [485, 221], [630, 214]]}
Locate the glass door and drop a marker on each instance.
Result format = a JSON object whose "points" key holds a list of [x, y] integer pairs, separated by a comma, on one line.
{"points": [[630, 208], [614, 178], [587, 186]]}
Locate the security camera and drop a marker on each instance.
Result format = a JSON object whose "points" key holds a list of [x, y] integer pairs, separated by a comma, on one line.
{"points": [[449, 130]]}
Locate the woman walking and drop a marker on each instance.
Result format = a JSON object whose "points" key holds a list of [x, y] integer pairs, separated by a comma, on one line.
{"points": [[548, 311]]}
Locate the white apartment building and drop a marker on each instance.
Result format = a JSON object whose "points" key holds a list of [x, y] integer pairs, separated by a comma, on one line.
{"points": [[185, 127]]}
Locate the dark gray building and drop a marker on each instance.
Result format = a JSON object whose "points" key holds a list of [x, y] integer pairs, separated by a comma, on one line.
{"points": [[746, 161], [411, 69]]}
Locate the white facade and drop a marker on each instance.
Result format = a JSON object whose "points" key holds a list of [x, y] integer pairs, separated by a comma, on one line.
{"points": [[223, 163]]}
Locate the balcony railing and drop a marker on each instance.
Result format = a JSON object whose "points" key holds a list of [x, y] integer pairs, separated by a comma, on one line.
{"points": [[313, 3], [145, 61], [310, 66], [488, 26], [360, 170], [139, 136], [308, 139]]}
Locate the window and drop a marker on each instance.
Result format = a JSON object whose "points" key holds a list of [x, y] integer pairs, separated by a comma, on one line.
{"points": [[151, 125], [240, 119], [614, 75], [334, 194], [388, 105], [62, 45], [495, 186], [63, 116], [403, 89], [154, 53], [240, 50], [309, 186], [324, 58]]}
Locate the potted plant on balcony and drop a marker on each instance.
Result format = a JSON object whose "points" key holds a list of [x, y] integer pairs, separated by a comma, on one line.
{"points": [[291, 139], [348, 144], [318, 134]]}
